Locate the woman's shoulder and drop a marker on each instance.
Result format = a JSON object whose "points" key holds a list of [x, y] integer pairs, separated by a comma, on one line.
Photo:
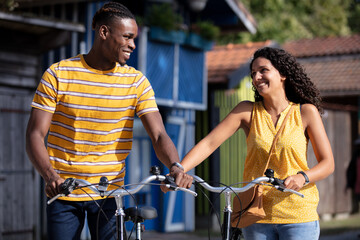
{"points": [[244, 112], [243, 108], [308, 108], [245, 105], [309, 113]]}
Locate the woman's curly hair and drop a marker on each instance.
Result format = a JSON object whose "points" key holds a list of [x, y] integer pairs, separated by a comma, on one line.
{"points": [[110, 10], [298, 86]]}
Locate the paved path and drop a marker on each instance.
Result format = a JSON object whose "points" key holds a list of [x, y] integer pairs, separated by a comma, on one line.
{"points": [[353, 235], [173, 236]]}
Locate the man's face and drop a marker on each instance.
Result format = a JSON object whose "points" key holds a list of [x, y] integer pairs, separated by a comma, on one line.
{"points": [[120, 40]]}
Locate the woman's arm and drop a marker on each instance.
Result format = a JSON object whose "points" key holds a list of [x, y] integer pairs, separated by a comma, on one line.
{"points": [[239, 117], [314, 127]]}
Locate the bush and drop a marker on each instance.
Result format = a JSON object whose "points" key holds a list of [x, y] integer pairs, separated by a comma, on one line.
{"points": [[163, 16], [207, 30]]}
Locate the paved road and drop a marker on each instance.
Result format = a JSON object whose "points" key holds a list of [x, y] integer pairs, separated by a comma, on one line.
{"points": [[353, 235]]}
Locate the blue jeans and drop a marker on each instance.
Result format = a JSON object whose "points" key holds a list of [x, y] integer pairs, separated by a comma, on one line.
{"points": [[65, 219], [294, 231]]}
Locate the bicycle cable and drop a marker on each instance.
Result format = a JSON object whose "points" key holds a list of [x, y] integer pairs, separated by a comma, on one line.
{"points": [[109, 195], [212, 209]]}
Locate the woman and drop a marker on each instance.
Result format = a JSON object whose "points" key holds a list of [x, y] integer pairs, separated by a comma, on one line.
{"points": [[279, 82]]}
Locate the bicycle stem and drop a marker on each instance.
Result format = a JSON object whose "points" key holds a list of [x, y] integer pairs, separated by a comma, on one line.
{"points": [[228, 201]]}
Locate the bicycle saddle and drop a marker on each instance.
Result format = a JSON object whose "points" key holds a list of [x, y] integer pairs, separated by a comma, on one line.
{"points": [[139, 214]]}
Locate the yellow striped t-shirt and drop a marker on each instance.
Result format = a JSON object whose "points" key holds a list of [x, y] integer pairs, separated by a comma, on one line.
{"points": [[289, 158], [93, 114]]}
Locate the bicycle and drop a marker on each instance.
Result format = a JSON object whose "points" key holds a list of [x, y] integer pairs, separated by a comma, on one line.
{"points": [[135, 214], [227, 231], [138, 215]]}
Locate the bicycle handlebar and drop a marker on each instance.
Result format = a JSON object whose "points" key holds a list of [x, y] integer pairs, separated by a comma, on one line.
{"points": [[120, 191], [71, 183], [277, 183]]}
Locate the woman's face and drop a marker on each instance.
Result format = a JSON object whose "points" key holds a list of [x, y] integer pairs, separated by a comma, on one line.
{"points": [[266, 78]]}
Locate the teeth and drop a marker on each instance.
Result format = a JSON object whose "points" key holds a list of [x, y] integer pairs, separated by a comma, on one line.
{"points": [[127, 54]]}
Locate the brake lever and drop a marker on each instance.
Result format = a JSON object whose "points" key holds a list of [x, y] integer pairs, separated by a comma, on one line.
{"points": [[170, 182], [279, 185], [68, 186], [65, 189]]}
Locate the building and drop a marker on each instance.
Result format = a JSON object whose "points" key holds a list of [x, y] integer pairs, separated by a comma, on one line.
{"points": [[38, 33]]}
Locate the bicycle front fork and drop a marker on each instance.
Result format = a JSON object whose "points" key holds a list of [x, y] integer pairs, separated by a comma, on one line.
{"points": [[229, 233], [226, 225], [227, 214], [120, 219], [120, 225]]}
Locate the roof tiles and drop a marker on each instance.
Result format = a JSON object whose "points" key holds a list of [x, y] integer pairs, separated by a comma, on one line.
{"points": [[333, 63], [324, 46]]}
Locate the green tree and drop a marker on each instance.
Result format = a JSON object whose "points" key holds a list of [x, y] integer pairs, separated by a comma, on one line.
{"points": [[354, 16], [283, 20]]}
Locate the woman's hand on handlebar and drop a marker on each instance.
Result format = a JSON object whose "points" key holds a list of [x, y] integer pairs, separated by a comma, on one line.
{"points": [[294, 182], [182, 179]]}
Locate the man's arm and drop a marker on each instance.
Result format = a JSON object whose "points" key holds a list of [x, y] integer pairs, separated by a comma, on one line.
{"points": [[37, 128], [164, 148]]}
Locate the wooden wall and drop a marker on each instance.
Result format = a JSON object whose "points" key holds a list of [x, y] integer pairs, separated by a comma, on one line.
{"points": [[19, 183], [334, 197]]}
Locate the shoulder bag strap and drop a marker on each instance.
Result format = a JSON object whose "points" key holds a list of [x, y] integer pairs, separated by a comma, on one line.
{"points": [[278, 134]]}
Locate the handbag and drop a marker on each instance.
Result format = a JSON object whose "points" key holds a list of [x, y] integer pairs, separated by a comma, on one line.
{"points": [[248, 205]]}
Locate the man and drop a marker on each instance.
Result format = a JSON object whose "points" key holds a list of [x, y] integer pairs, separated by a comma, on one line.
{"points": [[88, 102]]}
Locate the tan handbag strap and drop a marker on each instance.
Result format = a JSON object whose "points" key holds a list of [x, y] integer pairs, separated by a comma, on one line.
{"points": [[277, 136]]}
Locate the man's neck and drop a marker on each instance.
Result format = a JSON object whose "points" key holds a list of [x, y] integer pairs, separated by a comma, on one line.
{"points": [[97, 61]]}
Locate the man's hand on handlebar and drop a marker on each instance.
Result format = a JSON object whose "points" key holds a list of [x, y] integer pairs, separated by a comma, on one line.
{"points": [[53, 186]]}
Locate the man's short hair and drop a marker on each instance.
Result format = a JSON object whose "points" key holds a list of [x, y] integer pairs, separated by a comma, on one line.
{"points": [[109, 11]]}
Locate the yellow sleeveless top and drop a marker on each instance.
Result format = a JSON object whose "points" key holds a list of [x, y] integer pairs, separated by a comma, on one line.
{"points": [[289, 158]]}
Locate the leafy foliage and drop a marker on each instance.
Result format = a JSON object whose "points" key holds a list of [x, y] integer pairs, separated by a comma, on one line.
{"points": [[206, 29], [164, 16], [8, 5], [283, 20], [354, 16]]}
